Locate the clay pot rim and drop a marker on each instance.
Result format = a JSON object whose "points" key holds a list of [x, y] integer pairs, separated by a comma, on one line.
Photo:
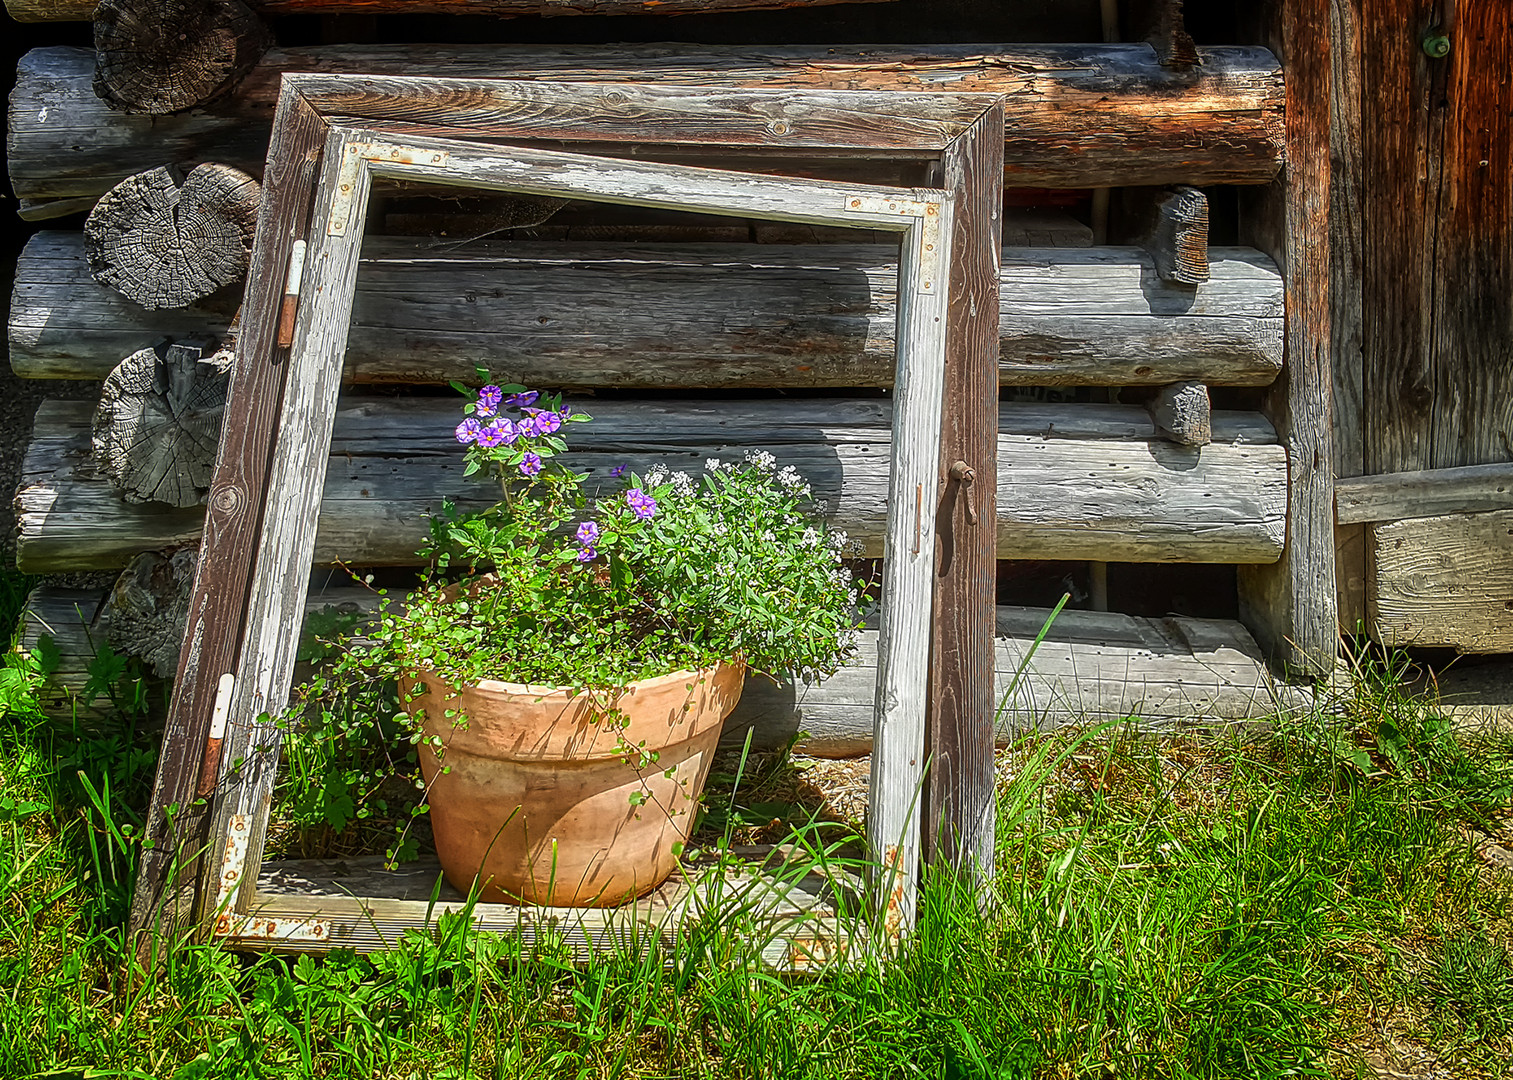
{"points": [[567, 693]]}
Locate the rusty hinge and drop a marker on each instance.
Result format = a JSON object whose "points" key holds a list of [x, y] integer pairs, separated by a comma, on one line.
{"points": [[353, 158], [928, 233]]}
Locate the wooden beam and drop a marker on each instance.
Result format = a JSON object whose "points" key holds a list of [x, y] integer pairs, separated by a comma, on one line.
{"points": [[1427, 493], [958, 821], [1443, 582], [1079, 114], [83, 10], [1292, 606], [1074, 481], [714, 315]]}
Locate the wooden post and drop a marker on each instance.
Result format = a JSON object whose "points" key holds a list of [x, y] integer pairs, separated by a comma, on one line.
{"points": [[1291, 606], [174, 830], [958, 819]]}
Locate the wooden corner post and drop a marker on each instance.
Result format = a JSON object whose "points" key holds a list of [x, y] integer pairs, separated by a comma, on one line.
{"points": [[959, 814], [1291, 606]]}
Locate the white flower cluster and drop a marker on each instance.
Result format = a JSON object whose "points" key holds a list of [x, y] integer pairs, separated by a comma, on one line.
{"points": [[793, 480], [682, 483], [811, 538], [761, 459], [837, 540], [712, 464], [656, 475]]}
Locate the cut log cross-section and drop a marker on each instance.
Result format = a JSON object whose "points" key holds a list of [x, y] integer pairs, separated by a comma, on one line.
{"points": [[166, 241], [1074, 482], [158, 424], [697, 315], [164, 56], [1076, 115]]}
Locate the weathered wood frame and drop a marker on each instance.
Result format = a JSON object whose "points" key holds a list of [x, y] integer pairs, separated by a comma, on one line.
{"points": [[237, 660]]}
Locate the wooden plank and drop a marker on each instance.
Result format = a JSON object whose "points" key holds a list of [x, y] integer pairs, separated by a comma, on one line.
{"points": [[958, 818], [1291, 606], [1444, 581], [231, 523], [1077, 111], [716, 315], [1093, 665], [83, 10], [1074, 481], [1429, 493], [1436, 163]]}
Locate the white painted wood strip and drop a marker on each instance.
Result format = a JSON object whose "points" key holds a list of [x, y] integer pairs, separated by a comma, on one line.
{"points": [[908, 584], [1430, 493]]}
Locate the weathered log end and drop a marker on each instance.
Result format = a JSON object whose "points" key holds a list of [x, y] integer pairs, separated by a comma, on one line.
{"points": [[158, 425], [1178, 240], [148, 606], [166, 241], [1161, 23], [165, 56], [1182, 413]]}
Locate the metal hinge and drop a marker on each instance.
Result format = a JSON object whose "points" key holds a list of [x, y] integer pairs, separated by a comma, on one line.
{"points": [[352, 161], [928, 233]]}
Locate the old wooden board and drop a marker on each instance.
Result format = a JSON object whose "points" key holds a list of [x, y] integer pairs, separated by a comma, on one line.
{"points": [[686, 315], [1074, 481], [173, 827], [1444, 581], [798, 914], [1078, 114], [300, 442], [83, 10], [1429, 493]]}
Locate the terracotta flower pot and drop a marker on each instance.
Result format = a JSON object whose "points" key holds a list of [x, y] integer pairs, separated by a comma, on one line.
{"points": [[546, 800]]}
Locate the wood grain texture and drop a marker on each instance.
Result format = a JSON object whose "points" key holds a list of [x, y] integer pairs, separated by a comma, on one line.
{"points": [[1444, 581], [165, 240], [1292, 606], [299, 440], [1075, 111], [231, 523], [1429, 493], [83, 10], [1183, 413], [155, 57], [1101, 484], [726, 315], [958, 819], [1436, 201], [1092, 666]]}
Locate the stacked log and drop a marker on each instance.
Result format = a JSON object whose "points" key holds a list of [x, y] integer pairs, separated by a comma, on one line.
{"points": [[1080, 115], [715, 316], [1076, 482]]}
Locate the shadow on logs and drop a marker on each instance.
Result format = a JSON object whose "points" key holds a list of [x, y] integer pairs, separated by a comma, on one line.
{"points": [[165, 241], [158, 424]]}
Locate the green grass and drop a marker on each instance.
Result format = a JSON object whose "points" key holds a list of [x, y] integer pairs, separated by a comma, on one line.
{"points": [[1300, 903]]}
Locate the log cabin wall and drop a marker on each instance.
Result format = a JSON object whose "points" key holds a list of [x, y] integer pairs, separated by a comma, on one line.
{"points": [[1113, 343]]}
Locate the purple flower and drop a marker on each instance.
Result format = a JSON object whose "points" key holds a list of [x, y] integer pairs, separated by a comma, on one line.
{"points": [[488, 400], [588, 533], [545, 422], [527, 398], [526, 426], [531, 464], [619, 471], [467, 431], [588, 554], [497, 432], [643, 504]]}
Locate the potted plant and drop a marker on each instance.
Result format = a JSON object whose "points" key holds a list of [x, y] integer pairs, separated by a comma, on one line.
{"points": [[571, 652]]}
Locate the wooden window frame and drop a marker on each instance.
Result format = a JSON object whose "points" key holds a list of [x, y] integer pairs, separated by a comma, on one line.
{"points": [[334, 134]]}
